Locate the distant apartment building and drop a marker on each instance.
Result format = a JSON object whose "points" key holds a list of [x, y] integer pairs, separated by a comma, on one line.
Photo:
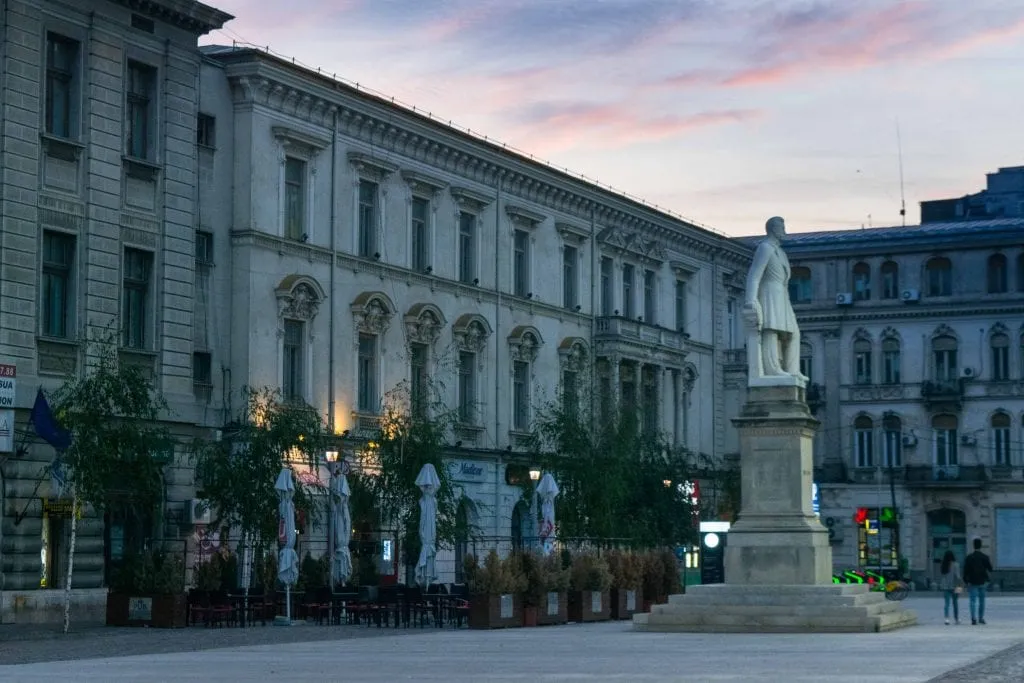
{"points": [[1003, 197], [913, 338]]}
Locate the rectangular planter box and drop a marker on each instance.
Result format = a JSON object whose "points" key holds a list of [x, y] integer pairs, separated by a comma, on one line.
{"points": [[159, 611], [625, 603], [589, 606], [495, 611], [553, 609]]}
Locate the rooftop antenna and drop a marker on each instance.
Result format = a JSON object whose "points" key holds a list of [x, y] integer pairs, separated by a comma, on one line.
{"points": [[903, 198]]}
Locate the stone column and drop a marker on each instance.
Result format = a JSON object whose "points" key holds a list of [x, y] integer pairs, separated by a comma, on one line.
{"points": [[777, 539]]}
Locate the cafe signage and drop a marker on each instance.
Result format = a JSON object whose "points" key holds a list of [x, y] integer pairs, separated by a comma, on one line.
{"points": [[466, 470]]}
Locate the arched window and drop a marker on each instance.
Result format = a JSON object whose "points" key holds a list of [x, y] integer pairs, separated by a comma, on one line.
{"points": [[862, 361], [891, 361], [999, 345], [892, 430], [800, 285], [806, 360], [890, 280], [944, 359], [997, 274], [861, 282], [944, 436], [863, 441], [1000, 439], [939, 271]]}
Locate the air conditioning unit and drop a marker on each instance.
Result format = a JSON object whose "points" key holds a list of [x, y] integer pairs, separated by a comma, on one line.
{"points": [[909, 440], [199, 511], [844, 299], [910, 295], [968, 373], [968, 440]]}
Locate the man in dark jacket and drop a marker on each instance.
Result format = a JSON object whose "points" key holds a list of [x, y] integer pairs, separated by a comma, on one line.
{"points": [[977, 568]]}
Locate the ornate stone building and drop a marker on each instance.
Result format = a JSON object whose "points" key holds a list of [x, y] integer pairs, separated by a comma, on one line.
{"points": [[914, 343]]}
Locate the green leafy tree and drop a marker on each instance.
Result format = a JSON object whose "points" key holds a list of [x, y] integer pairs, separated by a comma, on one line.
{"points": [[415, 430], [616, 480], [237, 473], [119, 449]]}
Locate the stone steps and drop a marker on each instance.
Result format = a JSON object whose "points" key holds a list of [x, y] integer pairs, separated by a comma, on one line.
{"points": [[781, 610]]}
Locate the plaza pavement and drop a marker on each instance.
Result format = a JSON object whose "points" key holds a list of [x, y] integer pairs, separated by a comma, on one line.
{"points": [[593, 652]]}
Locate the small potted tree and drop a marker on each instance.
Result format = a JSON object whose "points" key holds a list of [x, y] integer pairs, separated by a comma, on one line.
{"points": [[148, 590], [554, 602], [530, 563], [653, 580], [589, 581], [627, 580], [495, 599]]}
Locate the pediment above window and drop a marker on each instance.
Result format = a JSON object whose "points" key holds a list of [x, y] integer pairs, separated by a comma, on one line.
{"points": [[573, 354], [299, 298], [525, 342], [471, 332], [572, 233], [471, 200], [297, 141], [684, 269], [523, 217], [423, 323], [372, 312], [421, 183], [371, 166]]}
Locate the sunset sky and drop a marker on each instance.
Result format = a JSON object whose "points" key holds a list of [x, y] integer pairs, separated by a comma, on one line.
{"points": [[724, 111]]}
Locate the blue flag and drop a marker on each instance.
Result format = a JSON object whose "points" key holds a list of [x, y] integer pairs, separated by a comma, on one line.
{"points": [[46, 426]]}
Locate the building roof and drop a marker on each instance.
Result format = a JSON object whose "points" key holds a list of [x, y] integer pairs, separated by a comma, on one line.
{"points": [[187, 14], [963, 233]]}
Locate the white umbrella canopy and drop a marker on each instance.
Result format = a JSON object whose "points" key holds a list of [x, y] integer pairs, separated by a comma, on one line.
{"points": [[288, 559], [341, 563], [547, 489], [427, 480]]}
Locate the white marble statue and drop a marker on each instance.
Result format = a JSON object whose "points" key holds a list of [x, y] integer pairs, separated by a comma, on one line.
{"points": [[773, 338]]}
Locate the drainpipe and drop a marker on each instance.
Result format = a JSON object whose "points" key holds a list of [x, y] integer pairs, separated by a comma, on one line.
{"points": [[497, 345], [594, 279], [715, 356], [334, 267]]}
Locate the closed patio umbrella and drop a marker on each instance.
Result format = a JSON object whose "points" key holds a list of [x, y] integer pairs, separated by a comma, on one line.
{"points": [[288, 559], [428, 482], [547, 489], [341, 563]]}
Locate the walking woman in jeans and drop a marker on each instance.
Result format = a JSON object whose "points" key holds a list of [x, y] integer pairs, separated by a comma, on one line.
{"points": [[949, 584]]}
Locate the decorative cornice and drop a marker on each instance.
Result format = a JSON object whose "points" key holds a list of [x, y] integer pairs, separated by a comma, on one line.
{"points": [[633, 243], [187, 14], [917, 312], [259, 79]]}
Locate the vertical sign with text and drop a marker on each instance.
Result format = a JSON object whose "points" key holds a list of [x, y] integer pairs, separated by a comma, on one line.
{"points": [[8, 391]]}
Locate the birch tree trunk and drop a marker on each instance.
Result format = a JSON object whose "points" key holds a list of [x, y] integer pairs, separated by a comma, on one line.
{"points": [[71, 562]]}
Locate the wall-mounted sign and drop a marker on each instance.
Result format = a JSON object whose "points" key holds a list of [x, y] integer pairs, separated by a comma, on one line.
{"points": [[8, 389], [466, 470], [140, 609]]}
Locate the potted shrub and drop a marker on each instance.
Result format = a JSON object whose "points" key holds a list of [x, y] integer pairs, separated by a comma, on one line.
{"points": [[554, 601], [494, 592], [148, 590], [670, 582], [653, 580], [533, 582], [627, 571], [589, 581]]}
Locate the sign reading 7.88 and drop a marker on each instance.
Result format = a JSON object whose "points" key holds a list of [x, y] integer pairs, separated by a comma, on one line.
{"points": [[8, 377]]}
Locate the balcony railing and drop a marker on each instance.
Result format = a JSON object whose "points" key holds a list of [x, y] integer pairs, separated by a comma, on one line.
{"points": [[735, 357], [946, 475], [617, 326], [949, 392]]}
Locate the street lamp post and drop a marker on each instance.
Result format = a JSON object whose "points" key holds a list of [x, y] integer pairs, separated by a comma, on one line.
{"points": [[534, 525], [331, 456]]}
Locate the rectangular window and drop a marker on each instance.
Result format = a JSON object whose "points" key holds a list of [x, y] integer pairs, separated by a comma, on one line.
{"points": [[1000, 363], [368, 396], [1001, 446], [863, 446], [61, 77], [520, 395], [141, 84], [521, 263], [650, 403], [730, 323], [570, 279], [467, 247], [204, 248], [893, 448], [294, 198], [681, 310], [58, 259], [467, 387], [862, 367], [627, 291], [890, 283], [607, 298], [891, 367], [138, 268], [202, 369], [945, 365], [570, 392], [940, 281], [420, 234], [806, 365], [206, 127], [418, 382], [292, 370], [650, 298], [368, 219], [946, 447]]}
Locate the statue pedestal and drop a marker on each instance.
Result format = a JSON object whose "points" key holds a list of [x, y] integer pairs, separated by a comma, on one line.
{"points": [[777, 539], [778, 563]]}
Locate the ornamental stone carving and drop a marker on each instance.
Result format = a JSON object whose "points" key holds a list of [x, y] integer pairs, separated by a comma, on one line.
{"points": [[524, 344], [423, 324], [472, 337], [372, 312], [299, 303], [573, 354]]}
